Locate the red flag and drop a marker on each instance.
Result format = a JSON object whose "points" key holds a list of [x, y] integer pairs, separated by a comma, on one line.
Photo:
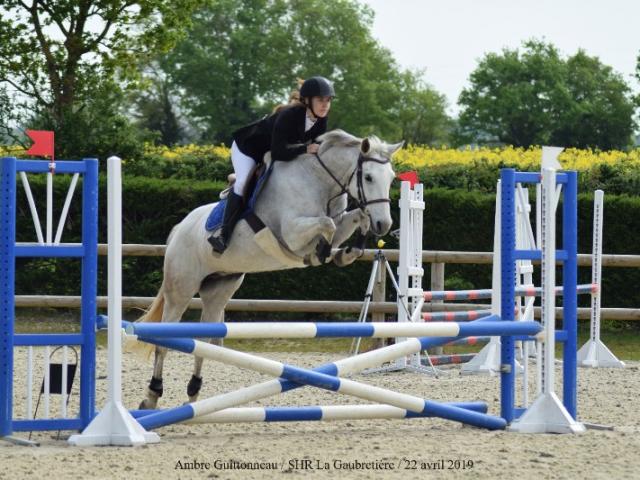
{"points": [[42, 143], [411, 177]]}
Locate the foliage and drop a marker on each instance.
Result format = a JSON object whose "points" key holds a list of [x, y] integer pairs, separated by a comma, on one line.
{"points": [[66, 62], [243, 57], [155, 111], [535, 97], [454, 220], [183, 162], [471, 169], [422, 112]]}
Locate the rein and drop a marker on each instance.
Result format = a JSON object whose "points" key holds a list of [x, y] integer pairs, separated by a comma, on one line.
{"points": [[361, 200]]}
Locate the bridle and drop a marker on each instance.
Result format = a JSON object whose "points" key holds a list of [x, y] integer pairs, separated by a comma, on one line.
{"points": [[361, 200]]}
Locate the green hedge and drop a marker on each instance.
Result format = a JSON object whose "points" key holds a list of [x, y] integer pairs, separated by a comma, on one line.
{"points": [[480, 176], [453, 220]]}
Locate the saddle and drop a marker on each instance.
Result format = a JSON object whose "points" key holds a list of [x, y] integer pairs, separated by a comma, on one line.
{"points": [[250, 187], [263, 235], [257, 179]]}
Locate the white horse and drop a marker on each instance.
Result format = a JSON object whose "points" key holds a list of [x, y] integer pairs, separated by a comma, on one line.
{"points": [[304, 207]]}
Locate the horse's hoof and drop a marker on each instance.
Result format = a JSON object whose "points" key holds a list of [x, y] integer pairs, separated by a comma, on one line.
{"points": [[147, 404], [191, 400]]}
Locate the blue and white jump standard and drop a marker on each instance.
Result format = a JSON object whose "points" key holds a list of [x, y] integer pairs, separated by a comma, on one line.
{"points": [[547, 414], [47, 246]]}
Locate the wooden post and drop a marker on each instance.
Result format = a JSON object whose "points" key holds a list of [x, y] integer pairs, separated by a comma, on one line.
{"points": [[379, 295], [437, 283]]}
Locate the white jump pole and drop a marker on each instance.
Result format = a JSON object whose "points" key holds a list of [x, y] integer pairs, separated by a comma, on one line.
{"points": [[114, 425], [594, 353]]}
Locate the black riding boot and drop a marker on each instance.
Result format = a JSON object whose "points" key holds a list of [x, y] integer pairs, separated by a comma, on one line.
{"points": [[219, 239]]}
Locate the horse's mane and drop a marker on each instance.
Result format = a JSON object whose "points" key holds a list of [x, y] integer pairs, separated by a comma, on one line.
{"points": [[340, 138]]}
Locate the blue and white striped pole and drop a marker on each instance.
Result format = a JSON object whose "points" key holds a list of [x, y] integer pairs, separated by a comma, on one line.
{"points": [[490, 326], [312, 413]]}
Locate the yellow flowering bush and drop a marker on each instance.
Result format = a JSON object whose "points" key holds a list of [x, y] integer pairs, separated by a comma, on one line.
{"points": [[12, 151], [470, 168], [179, 151], [419, 157]]}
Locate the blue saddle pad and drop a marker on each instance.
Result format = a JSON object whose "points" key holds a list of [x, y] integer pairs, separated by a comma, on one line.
{"points": [[215, 217]]}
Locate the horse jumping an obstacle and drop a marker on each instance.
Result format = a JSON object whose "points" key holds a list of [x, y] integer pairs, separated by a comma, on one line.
{"points": [[304, 206]]}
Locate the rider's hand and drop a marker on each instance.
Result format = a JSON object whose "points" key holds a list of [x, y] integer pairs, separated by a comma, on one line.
{"points": [[313, 148]]}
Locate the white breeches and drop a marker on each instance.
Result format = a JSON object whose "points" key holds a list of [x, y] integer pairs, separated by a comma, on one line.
{"points": [[242, 165]]}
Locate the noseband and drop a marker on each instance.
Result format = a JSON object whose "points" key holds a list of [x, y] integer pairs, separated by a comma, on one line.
{"points": [[361, 200]]}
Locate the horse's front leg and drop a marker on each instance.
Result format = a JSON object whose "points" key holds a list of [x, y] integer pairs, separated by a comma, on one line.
{"points": [[347, 225], [303, 232]]}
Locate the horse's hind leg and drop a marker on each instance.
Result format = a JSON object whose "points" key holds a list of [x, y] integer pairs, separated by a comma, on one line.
{"points": [[174, 307], [215, 292]]}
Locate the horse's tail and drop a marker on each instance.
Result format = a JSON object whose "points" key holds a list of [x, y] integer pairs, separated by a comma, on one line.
{"points": [[152, 314]]}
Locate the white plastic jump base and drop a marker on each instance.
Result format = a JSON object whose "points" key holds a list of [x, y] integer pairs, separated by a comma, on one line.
{"points": [[114, 425], [595, 354], [546, 415], [487, 361], [400, 366]]}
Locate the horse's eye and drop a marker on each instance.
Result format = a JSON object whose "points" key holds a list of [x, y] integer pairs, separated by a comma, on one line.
{"points": [[368, 178]]}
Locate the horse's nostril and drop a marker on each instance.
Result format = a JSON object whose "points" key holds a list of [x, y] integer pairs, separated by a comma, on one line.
{"points": [[379, 226]]}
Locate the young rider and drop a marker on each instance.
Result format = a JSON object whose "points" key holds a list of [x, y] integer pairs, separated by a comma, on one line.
{"points": [[287, 133]]}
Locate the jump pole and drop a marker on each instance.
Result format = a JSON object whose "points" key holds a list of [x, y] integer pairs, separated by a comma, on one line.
{"points": [[325, 413], [261, 330], [114, 425]]}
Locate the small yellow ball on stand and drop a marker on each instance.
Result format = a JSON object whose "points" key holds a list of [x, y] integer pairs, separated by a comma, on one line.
{"points": [[381, 243]]}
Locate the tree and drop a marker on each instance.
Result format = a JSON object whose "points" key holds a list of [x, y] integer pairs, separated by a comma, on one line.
{"points": [[535, 97], [422, 113], [242, 57], [155, 109], [62, 60], [600, 111]]}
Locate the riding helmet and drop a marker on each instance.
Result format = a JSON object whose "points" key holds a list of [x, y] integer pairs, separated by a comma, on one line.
{"points": [[317, 87]]}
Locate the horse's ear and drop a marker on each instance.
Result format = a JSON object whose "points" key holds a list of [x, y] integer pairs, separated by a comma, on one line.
{"points": [[365, 146], [394, 148]]}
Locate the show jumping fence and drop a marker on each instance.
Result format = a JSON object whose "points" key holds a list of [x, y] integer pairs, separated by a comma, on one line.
{"points": [[114, 425]]}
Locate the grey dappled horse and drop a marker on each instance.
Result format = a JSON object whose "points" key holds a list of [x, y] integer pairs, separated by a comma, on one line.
{"points": [[303, 204]]}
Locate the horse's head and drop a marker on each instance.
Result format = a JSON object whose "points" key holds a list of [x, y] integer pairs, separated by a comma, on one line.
{"points": [[372, 182], [370, 174]]}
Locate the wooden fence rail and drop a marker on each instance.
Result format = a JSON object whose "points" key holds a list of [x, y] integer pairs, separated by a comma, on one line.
{"points": [[378, 307]]}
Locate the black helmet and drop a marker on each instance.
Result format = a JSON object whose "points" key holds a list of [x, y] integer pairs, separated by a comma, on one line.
{"points": [[317, 87]]}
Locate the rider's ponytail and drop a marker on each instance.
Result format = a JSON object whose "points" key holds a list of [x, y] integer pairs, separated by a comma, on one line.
{"points": [[294, 98]]}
